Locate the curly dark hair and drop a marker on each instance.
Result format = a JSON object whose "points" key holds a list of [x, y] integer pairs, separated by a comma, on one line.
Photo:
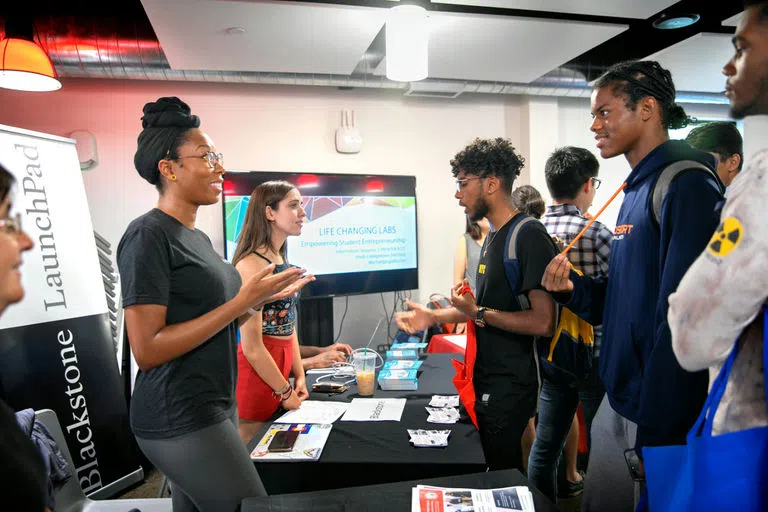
{"points": [[642, 78], [490, 157]]}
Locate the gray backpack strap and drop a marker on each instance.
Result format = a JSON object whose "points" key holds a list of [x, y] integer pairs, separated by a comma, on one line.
{"points": [[512, 254], [666, 176], [512, 238]]}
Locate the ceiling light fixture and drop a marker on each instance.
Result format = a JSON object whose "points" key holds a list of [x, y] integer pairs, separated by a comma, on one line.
{"points": [[24, 66], [665, 22], [407, 41]]}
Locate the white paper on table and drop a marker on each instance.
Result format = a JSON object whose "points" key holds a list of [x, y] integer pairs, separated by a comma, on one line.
{"points": [[375, 409], [460, 340], [314, 411]]}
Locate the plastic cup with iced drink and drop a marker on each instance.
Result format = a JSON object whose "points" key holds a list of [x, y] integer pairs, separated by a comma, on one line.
{"points": [[364, 363]]}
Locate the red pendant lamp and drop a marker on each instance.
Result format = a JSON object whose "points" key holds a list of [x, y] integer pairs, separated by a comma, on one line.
{"points": [[24, 66]]}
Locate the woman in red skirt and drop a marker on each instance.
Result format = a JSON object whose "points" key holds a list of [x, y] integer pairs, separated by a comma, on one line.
{"points": [[269, 350]]}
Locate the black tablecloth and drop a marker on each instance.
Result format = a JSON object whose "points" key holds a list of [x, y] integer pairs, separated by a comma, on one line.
{"points": [[364, 453], [391, 497]]}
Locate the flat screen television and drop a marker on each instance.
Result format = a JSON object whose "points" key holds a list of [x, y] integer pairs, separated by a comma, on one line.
{"points": [[359, 235]]}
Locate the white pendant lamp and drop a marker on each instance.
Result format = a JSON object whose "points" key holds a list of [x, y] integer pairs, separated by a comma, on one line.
{"points": [[407, 40]]}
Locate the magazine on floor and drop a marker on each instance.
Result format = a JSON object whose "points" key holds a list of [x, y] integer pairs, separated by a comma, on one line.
{"points": [[308, 445], [426, 498]]}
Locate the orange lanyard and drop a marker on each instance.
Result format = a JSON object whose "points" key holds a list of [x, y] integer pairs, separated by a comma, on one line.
{"points": [[593, 219]]}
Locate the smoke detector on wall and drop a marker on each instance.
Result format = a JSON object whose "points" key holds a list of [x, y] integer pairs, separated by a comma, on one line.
{"points": [[87, 154], [348, 138]]}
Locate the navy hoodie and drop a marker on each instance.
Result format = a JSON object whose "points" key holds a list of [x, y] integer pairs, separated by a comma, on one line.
{"points": [[642, 377]]}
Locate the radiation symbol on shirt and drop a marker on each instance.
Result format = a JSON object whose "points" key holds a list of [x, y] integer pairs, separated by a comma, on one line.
{"points": [[726, 238]]}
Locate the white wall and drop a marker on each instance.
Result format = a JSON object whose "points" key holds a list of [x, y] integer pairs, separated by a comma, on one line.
{"points": [[289, 128], [573, 130], [755, 131], [279, 129]]}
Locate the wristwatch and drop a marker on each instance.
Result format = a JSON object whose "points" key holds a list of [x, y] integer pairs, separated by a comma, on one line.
{"points": [[479, 317]]}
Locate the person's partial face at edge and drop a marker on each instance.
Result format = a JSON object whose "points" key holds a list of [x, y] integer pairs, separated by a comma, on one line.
{"points": [[195, 180], [469, 192], [13, 242], [289, 215], [589, 195], [727, 168], [747, 72], [617, 128]]}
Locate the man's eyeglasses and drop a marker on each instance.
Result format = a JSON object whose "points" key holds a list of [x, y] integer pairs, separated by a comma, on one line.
{"points": [[596, 183], [462, 182], [210, 157], [11, 225]]}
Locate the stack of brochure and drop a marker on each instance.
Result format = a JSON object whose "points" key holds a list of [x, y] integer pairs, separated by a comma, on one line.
{"points": [[426, 498], [398, 380], [429, 438], [418, 347], [442, 415], [444, 401], [402, 364], [401, 354]]}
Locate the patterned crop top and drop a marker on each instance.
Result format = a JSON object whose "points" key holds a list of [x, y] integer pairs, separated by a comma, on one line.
{"points": [[279, 317]]}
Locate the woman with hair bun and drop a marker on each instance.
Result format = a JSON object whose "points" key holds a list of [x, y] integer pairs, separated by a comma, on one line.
{"points": [[183, 304]]}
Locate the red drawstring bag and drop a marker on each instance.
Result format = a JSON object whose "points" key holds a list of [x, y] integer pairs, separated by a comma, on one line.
{"points": [[464, 371]]}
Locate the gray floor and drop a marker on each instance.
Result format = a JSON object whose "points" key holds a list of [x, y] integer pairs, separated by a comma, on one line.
{"points": [[148, 489]]}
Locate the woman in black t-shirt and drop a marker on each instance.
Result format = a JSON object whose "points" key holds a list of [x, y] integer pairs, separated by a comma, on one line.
{"points": [[22, 472], [182, 306]]}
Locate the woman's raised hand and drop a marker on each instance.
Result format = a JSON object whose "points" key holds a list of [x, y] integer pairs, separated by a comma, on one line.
{"points": [[261, 285]]}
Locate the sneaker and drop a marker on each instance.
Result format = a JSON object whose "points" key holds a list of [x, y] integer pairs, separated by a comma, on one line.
{"points": [[571, 489]]}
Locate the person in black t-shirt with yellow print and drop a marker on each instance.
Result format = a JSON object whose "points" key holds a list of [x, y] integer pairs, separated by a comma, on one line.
{"points": [[505, 377]]}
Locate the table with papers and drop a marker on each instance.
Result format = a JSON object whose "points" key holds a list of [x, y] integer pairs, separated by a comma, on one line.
{"points": [[389, 497], [371, 452]]}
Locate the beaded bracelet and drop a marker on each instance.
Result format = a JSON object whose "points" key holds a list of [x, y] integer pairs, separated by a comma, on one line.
{"points": [[287, 394], [279, 394]]}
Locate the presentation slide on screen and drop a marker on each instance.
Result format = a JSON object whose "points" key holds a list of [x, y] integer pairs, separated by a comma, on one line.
{"points": [[344, 234]]}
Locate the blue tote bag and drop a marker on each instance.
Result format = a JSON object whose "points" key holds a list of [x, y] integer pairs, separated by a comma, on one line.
{"points": [[728, 472]]}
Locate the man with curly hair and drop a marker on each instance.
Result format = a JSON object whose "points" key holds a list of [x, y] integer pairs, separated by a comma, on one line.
{"points": [[511, 308], [650, 399]]}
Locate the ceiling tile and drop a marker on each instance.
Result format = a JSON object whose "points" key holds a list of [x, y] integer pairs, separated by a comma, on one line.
{"points": [[734, 20], [507, 49], [696, 62], [616, 8], [280, 37]]}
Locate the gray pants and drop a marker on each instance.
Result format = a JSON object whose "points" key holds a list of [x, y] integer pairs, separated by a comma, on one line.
{"points": [[209, 469], [608, 486]]}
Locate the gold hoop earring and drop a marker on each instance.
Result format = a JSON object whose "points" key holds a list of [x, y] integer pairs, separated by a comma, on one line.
{"points": [[172, 177]]}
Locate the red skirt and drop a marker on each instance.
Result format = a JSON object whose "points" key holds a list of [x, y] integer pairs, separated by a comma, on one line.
{"points": [[254, 398]]}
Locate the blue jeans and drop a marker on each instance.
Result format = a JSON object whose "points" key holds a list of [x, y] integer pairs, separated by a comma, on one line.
{"points": [[557, 405]]}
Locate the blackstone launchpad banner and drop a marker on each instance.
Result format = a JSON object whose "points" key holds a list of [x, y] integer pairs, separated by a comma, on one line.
{"points": [[56, 349]]}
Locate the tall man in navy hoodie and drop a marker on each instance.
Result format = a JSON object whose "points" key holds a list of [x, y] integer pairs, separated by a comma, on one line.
{"points": [[650, 399]]}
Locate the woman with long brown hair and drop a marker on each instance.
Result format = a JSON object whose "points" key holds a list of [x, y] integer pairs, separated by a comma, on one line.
{"points": [[269, 350]]}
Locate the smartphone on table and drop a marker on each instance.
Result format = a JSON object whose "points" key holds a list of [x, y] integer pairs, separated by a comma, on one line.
{"points": [[283, 441]]}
